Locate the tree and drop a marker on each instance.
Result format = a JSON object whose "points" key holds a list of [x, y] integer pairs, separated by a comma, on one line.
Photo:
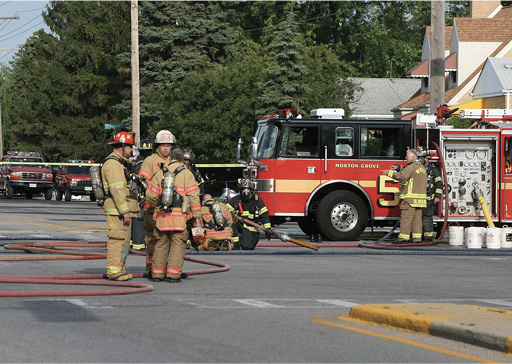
{"points": [[284, 86]]}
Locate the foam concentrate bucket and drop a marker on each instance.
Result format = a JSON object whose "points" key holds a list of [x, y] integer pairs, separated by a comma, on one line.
{"points": [[474, 237], [456, 235], [506, 237], [493, 238]]}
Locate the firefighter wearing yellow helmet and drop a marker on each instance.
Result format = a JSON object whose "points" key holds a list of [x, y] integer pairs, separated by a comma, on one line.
{"points": [[119, 206], [163, 143]]}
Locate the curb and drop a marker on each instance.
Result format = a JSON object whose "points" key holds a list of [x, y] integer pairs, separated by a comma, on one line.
{"points": [[435, 325]]}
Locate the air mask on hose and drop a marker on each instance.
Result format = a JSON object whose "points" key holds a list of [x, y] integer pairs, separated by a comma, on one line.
{"points": [[97, 185]]}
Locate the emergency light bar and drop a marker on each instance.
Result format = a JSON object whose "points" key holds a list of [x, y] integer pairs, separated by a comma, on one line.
{"points": [[328, 113], [79, 161], [26, 154]]}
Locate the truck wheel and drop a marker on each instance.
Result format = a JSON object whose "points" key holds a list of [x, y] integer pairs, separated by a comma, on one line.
{"points": [[67, 195], [48, 194], [10, 191], [28, 195], [58, 194], [92, 197], [341, 215]]}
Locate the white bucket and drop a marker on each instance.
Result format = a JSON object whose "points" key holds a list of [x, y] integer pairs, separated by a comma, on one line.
{"points": [[474, 237], [456, 235], [506, 237], [484, 236], [493, 238]]}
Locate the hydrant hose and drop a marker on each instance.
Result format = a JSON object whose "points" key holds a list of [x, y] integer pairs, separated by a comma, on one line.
{"points": [[477, 194]]}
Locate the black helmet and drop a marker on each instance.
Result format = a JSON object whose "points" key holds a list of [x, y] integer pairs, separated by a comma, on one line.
{"points": [[245, 183], [423, 152], [188, 154], [145, 144]]}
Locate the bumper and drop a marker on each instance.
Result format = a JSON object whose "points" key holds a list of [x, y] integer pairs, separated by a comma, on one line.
{"points": [[35, 186], [81, 190]]}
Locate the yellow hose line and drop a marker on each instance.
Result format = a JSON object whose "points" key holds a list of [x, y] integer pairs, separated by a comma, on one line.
{"points": [[486, 211]]}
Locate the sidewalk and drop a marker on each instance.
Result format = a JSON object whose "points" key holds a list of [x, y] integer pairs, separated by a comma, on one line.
{"points": [[482, 326]]}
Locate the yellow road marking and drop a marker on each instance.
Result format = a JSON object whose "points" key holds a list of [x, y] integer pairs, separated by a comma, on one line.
{"points": [[321, 320]]}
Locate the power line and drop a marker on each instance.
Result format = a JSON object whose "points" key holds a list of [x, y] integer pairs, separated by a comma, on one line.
{"points": [[12, 31]]}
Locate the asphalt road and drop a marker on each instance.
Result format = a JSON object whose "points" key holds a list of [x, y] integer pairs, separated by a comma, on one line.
{"points": [[279, 305]]}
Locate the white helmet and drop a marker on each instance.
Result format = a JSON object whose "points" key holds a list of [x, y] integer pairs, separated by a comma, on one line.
{"points": [[165, 136]]}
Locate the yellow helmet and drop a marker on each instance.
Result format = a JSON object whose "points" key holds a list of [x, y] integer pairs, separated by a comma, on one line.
{"points": [[164, 137]]}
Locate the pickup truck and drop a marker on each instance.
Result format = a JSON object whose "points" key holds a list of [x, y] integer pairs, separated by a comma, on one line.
{"points": [[25, 178], [73, 180]]}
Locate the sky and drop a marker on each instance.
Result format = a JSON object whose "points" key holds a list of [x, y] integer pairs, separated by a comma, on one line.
{"points": [[14, 32]]}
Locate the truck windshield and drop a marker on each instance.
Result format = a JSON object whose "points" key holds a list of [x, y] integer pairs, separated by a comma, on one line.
{"points": [[78, 169], [266, 135], [25, 159]]}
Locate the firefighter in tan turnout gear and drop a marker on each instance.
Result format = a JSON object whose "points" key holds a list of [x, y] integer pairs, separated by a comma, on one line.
{"points": [[164, 141], [176, 195], [217, 222], [119, 206], [413, 196]]}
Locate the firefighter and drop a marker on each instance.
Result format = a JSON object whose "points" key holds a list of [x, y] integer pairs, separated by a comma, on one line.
{"points": [[176, 194], [434, 194], [217, 222], [413, 180], [119, 206], [188, 160], [248, 206], [163, 143], [137, 242]]}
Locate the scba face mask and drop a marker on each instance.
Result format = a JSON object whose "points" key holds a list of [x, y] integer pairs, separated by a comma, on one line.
{"points": [[246, 194]]}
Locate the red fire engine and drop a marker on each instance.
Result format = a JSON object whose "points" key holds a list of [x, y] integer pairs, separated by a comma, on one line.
{"points": [[324, 172], [30, 177]]}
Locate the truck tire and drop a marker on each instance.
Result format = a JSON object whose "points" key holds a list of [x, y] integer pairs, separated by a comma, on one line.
{"points": [[28, 195], [307, 225], [67, 195], [48, 194], [10, 191], [341, 215], [92, 197], [58, 194]]}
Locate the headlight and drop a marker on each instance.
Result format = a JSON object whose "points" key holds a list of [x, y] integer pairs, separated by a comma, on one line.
{"points": [[16, 174], [74, 182], [48, 175]]}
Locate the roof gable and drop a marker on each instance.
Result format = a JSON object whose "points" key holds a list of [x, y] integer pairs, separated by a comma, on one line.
{"points": [[483, 30], [496, 76]]}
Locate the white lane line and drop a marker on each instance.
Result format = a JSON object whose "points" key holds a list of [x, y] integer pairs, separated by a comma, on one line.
{"points": [[79, 302], [497, 302], [257, 303], [339, 303]]}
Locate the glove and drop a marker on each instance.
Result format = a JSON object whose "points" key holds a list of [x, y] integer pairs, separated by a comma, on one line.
{"points": [[268, 233]]}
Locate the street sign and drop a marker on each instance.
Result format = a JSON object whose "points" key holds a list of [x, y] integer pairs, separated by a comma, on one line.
{"points": [[113, 126]]}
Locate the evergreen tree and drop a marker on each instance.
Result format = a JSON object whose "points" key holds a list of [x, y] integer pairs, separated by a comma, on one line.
{"points": [[284, 86]]}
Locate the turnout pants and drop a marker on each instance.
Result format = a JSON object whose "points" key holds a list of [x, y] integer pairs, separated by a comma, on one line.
{"points": [[410, 222], [118, 245], [138, 232], [428, 221], [248, 239], [149, 226], [169, 254]]}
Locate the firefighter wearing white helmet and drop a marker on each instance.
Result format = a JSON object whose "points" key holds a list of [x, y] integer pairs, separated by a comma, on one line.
{"points": [[164, 142], [177, 197], [119, 206], [249, 206]]}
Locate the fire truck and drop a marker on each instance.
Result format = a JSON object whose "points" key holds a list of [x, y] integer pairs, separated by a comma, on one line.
{"points": [[73, 179], [324, 172], [30, 177]]}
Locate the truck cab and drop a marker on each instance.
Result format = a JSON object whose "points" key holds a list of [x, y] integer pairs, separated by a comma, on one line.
{"points": [[25, 172], [73, 179]]}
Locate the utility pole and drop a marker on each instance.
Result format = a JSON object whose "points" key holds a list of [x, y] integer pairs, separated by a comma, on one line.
{"points": [[437, 67], [5, 50], [135, 72]]}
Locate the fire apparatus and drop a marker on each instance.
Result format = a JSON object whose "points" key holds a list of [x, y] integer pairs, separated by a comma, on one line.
{"points": [[32, 176], [324, 172], [73, 179]]}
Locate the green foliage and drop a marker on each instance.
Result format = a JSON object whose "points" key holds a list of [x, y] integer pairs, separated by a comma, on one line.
{"points": [[459, 123]]}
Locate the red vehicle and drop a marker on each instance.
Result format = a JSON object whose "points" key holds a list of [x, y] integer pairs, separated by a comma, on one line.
{"points": [[25, 172], [73, 178], [324, 172]]}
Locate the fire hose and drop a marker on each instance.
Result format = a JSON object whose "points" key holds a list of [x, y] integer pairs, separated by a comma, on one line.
{"points": [[446, 202], [81, 279], [478, 195], [283, 236]]}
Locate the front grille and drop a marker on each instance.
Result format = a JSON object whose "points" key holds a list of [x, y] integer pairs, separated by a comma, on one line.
{"points": [[84, 182], [31, 175]]}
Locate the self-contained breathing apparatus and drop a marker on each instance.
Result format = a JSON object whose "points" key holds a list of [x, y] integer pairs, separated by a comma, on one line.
{"points": [[137, 183], [219, 221], [169, 197]]}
